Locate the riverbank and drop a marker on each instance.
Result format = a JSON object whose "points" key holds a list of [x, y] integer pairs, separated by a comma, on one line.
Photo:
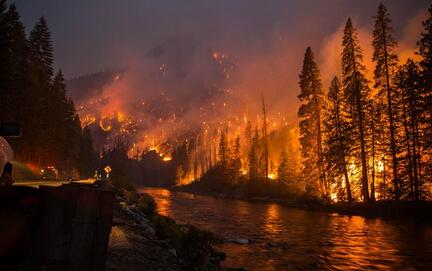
{"points": [[141, 239], [403, 210]]}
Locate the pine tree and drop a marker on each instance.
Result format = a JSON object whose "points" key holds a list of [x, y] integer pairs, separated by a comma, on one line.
{"points": [[311, 98], [409, 84], [223, 149], [4, 51], [40, 94], [265, 140], [14, 59], [236, 158], [283, 170], [386, 60], [41, 47], [64, 134], [87, 162], [425, 51], [248, 133], [253, 156], [338, 135], [357, 92]]}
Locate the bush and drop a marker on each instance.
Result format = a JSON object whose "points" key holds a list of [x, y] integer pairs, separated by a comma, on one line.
{"points": [[193, 245], [131, 196], [146, 204]]}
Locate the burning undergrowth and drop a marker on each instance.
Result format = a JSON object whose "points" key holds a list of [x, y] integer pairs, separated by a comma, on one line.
{"points": [[186, 94]]}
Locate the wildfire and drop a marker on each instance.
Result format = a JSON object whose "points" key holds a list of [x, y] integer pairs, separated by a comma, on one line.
{"points": [[167, 158], [105, 124], [88, 120], [272, 176], [333, 197]]}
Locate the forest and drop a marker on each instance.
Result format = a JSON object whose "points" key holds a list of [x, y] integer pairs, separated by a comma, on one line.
{"points": [[360, 140], [355, 140], [34, 96]]}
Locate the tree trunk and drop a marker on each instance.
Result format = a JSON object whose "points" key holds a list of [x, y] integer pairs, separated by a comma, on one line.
{"points": [[373, 161], [347, 182], [416, 156], [265, 140], [408, 146], [365, 188], [392, 129], [363, 147]]}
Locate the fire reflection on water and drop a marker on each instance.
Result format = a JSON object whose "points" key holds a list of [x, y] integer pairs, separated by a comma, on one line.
{"points": [[272, 224], [164, 202], [283, 238]]}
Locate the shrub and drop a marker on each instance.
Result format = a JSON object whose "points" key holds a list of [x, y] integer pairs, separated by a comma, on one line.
{"points": [[193, 245], [146, 204]]}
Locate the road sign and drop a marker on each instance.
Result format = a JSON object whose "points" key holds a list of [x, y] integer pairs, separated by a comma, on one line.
{"points": [[107, 169]]}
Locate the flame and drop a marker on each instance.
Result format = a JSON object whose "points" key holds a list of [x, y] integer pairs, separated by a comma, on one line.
{"points": [[167, 158], [105, 124]]}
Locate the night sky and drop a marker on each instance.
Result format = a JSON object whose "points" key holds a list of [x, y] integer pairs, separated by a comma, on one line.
{"points": [[90, 36]]}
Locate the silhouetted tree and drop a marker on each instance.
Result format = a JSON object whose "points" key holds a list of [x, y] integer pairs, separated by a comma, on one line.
{"points": [[425, 52], [283, 170], [386, 60], [357, 93], [409, 84], [338, 135], [265, 140], [311, 98]]}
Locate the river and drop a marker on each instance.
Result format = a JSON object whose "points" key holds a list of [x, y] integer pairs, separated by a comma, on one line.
{"points": [[284, 238]]}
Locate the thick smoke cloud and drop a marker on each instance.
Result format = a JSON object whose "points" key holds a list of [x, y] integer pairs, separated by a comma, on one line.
{"points": [[191, 62]]}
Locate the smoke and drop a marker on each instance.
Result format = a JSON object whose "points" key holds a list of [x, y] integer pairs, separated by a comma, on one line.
{"points": [[330, 54], [196, 80], [411, 34]]}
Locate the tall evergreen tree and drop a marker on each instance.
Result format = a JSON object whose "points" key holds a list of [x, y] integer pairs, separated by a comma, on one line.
{"points": [[283, 170], [14, 70], [339, 135], [311, 98], [357, 93], [386, 60], [4, 50], [425, 51], [42, 48], [236, 158], [409, 84], [253, 156], [265, 140], [40, 94], [223, 149]]}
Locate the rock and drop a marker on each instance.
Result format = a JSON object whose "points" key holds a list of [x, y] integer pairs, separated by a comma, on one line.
{"points": [[173, 251], [241, 241]]}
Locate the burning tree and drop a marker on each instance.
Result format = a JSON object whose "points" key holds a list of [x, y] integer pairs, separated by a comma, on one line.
{"points": [[311, 97], [338, 136], [386, 60], [357, 92]]}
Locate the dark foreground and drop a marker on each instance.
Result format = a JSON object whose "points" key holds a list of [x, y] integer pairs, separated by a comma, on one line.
{"points": [[142, 239], [268, 236]]}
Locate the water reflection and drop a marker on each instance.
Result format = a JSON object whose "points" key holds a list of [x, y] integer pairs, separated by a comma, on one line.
{"points": [[272, 225], [163, 197], [284, 238]]}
